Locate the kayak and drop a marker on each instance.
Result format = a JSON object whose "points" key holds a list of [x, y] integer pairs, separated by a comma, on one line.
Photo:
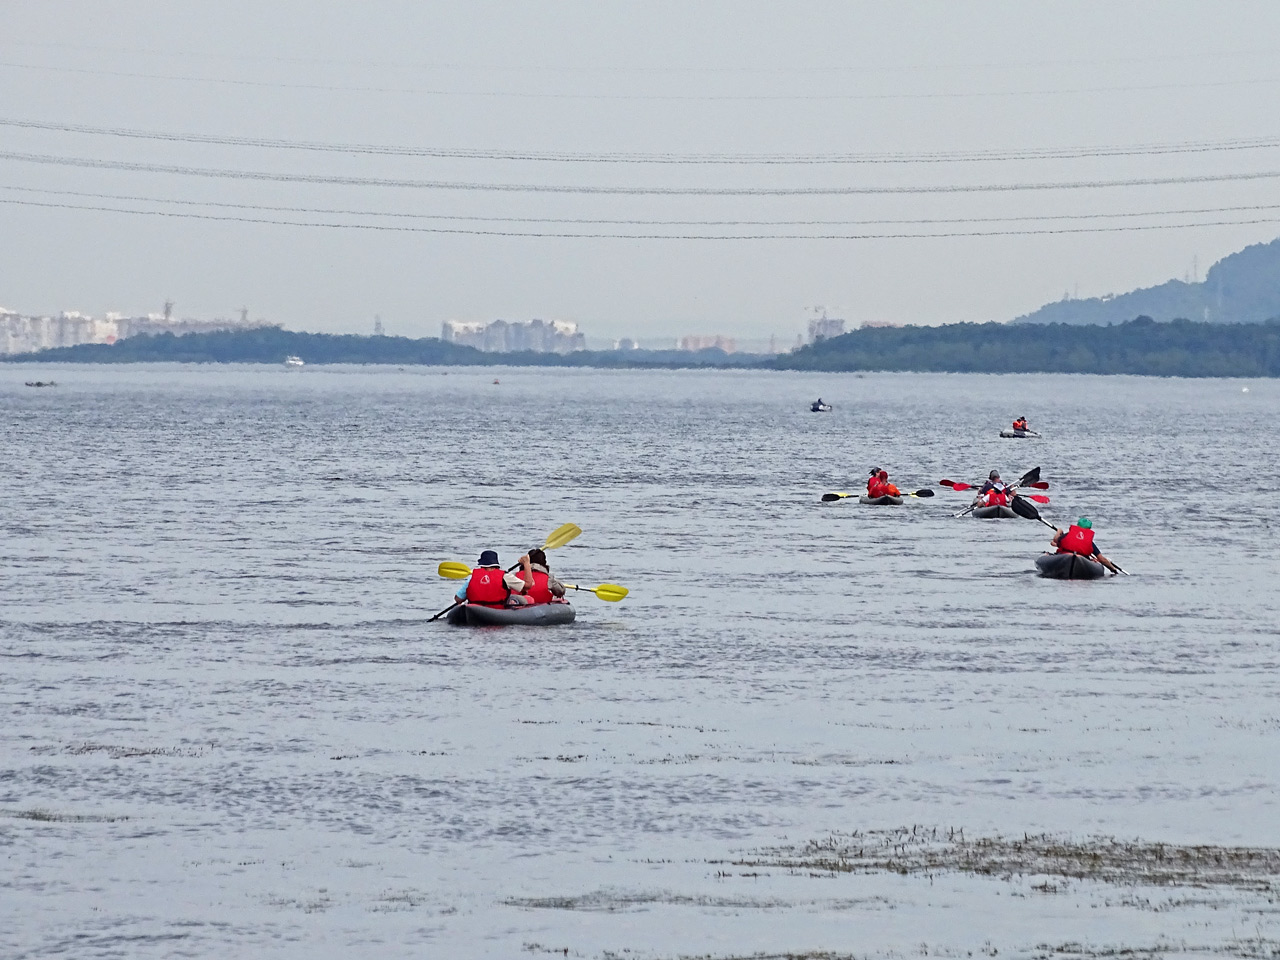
{"points": [[1019, 434], [820, 407], [1069, 566], [534, 615], [885, 501], [993, 513]]}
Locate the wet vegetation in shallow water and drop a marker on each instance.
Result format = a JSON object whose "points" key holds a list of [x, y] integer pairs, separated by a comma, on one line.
{"points": [[931, 850]]}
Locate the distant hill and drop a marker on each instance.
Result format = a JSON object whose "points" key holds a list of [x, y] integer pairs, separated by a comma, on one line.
{"points": [[1241, 288], [1179, 348]]}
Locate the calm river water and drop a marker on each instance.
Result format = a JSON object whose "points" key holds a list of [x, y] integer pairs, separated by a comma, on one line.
{"points": [[227, 728]]}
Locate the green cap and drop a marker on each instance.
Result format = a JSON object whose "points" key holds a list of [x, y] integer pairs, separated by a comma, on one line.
{"points": [[1084, 523]]}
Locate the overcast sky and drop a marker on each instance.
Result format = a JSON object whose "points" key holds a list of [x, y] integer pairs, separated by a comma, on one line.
{"points": [[925, 162]]}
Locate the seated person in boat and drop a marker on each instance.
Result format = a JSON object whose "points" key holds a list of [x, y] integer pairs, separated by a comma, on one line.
{"points": [[545, 588], [491, 586], [993, 493], [1020, 424], [1079, 539], [879, 486]]}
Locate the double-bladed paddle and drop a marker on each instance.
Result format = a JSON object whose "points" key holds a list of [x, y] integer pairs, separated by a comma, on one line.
{"points": [[958, 485], [829, 497], [452, 570], [613, 592], [1024, 509]]}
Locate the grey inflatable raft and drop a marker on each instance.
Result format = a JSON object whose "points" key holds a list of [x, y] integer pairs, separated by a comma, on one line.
{"points": [[1019, 434], [885, 501], [993, 513], [535, 615], [1069, 566]]}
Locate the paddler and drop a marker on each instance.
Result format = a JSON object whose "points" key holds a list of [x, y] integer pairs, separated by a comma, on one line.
{"points": [[879, 486], [1079, 539], [1021, 424], [546, 587], [994, 493], [491, 586]]}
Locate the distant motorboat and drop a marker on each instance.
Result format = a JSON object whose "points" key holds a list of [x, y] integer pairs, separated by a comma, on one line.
{"points": [[819, 407], [292, 361], [41, 383]]}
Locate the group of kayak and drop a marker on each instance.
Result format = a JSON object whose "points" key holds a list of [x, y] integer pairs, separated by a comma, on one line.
{"points": [[1075, 553]]}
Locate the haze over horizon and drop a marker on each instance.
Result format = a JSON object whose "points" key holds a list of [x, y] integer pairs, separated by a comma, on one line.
{"points": [[644, 170]]}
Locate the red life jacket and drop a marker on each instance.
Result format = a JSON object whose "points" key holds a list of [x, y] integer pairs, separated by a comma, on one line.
{"points": [[877, 488], [1019, 424], [488, 587], [1077, 540], [540, 592], [996, 498]]}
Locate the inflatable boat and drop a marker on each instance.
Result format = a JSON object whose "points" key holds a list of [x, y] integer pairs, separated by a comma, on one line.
{"points": [[885, 501], [534, 615], [1019, 434], [993, 513], [819, 407], [1069, 566]]}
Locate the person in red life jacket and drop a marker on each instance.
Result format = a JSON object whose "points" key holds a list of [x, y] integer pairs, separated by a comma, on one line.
{"points": [[1020, 424], [873, 479], [1079, 539], [879, 486], [491, 586], [545, 588], [993, 493]]}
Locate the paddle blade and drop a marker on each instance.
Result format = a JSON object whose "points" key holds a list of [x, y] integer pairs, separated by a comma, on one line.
{"points": [[613, 592], [1036, 497], [926, 492], [955, 485], [1040, 485], [452, 570], [1028, 478], [828, 497], [562, 535], [1022, 508], [946, 483]]}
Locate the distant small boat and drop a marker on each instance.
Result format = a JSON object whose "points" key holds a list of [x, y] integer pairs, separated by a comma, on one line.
{"points": [[41, 383], [819, 407], [292, 361]]}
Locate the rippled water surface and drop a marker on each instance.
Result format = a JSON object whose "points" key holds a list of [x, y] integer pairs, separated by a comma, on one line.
{"points": [[228, 728]]}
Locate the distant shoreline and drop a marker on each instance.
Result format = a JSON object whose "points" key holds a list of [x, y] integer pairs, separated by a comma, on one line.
{"points": [[1142, 347]]}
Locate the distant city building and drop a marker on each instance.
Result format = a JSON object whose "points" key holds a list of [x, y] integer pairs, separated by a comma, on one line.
{"points": [[712, 342], [509, 336], [23, 334], [824, 328]]}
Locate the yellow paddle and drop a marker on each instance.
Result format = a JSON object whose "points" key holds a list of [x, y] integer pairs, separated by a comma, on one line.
{"points": [[613, 592], [452, 570]]}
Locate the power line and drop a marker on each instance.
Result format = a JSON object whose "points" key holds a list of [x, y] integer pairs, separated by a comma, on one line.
{"points": [[597, 221], [746, 98], [365, 149], [640, 236], [453, 185]]}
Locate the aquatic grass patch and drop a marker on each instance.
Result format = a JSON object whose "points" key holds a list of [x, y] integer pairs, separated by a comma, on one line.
{"points": [[613, 901], [52, 816], [117, 752], [930, 850]]}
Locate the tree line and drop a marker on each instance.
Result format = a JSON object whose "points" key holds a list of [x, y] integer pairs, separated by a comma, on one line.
{"points": [[1179, 348]]}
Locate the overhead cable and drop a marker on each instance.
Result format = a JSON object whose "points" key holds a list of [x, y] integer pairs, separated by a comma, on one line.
{"points": [[586, 189], [931, 157]]}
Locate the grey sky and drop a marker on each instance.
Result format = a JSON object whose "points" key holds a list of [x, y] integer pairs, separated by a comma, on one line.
{"points": [[684, 82]]}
